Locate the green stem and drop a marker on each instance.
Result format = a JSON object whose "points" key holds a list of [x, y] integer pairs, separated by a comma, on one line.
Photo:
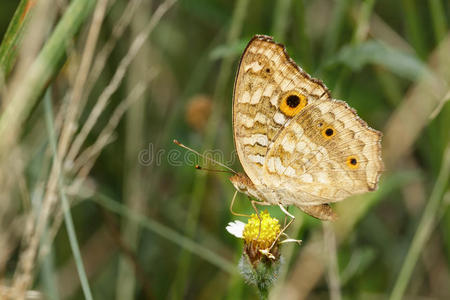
{"points": [[335, 28], [424, 229], [438, 18], [263, 293], [280, 19], [303, 41], [65, 203], [414, 27]]}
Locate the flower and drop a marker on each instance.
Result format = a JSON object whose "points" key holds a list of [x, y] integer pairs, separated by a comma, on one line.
{"points": [[261, 233], [261, 260]]}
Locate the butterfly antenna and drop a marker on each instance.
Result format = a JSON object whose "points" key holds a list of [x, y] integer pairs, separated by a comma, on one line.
{"points": [[198, 167], [206, 158]]}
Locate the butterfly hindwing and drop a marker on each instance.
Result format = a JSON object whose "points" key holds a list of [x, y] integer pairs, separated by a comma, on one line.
{"points": [[325, 154]]}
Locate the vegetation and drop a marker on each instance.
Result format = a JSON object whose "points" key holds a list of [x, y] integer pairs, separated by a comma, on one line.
{"points": [[96, 202]]}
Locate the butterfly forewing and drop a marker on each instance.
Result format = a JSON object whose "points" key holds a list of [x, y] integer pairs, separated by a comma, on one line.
{"points": [[297, 144], [265, 76]]}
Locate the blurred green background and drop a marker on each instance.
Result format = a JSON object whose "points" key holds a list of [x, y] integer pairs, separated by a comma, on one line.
{"points": [[93, 93]]}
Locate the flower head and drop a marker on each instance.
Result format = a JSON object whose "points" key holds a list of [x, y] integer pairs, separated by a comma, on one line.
{"points": [[260, 236], [263, 232], [261, 259]]}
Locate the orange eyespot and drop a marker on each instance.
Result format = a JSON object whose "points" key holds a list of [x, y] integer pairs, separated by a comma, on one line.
{"points": [[328, 132], [292, 103], [352, 162]]}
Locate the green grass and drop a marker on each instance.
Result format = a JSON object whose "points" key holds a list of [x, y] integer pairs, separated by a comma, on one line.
{"points": [[84, 99]]}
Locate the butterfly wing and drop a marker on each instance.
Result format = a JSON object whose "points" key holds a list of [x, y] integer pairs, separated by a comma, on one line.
{"points": [[324, 154], [266, 78]]}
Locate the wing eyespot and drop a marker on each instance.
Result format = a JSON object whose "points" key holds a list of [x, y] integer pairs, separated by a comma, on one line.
{"points": [[292, 103], [352, 162], [328, 132]]}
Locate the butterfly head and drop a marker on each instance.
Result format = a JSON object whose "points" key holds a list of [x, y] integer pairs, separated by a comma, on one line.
{"points": [[243, 184]]}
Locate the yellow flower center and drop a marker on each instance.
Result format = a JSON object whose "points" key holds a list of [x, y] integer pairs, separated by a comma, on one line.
{"points": [[270, 228]]}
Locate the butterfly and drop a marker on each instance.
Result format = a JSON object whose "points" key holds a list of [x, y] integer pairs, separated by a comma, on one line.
{"points": [[297, 145]]}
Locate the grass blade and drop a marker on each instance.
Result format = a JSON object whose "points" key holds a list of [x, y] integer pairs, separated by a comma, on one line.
{"points": [[167, 233], [414, 27], [335, 28], [438, 17], [13, 36], [426, 225], [65, 203], [280, 19], [44, 67], [372, 52]]}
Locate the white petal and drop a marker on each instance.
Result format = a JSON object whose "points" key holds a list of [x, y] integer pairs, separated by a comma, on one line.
{"points": [[236, 228]]}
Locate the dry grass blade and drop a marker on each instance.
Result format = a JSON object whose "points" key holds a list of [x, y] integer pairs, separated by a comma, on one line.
{"points": [[440, 105], [413, 114], [383, 32], [86, 159], [8, 293], [334, 281], [73, 109], [117, 79], [424, 229], [24, 98], [70, 227], [118, 30]]}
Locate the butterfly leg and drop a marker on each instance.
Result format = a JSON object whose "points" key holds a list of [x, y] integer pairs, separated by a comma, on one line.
{"points": [[253, 202], [231, 207], [283, 209]]}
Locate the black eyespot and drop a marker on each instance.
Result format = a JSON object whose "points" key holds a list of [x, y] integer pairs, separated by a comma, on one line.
{"points": [[353, 161], [267, 70], [320, 124], [293, 101], [329, 132]]}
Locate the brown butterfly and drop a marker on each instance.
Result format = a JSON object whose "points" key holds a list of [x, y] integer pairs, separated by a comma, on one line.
{"points": [[297, 145]]}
